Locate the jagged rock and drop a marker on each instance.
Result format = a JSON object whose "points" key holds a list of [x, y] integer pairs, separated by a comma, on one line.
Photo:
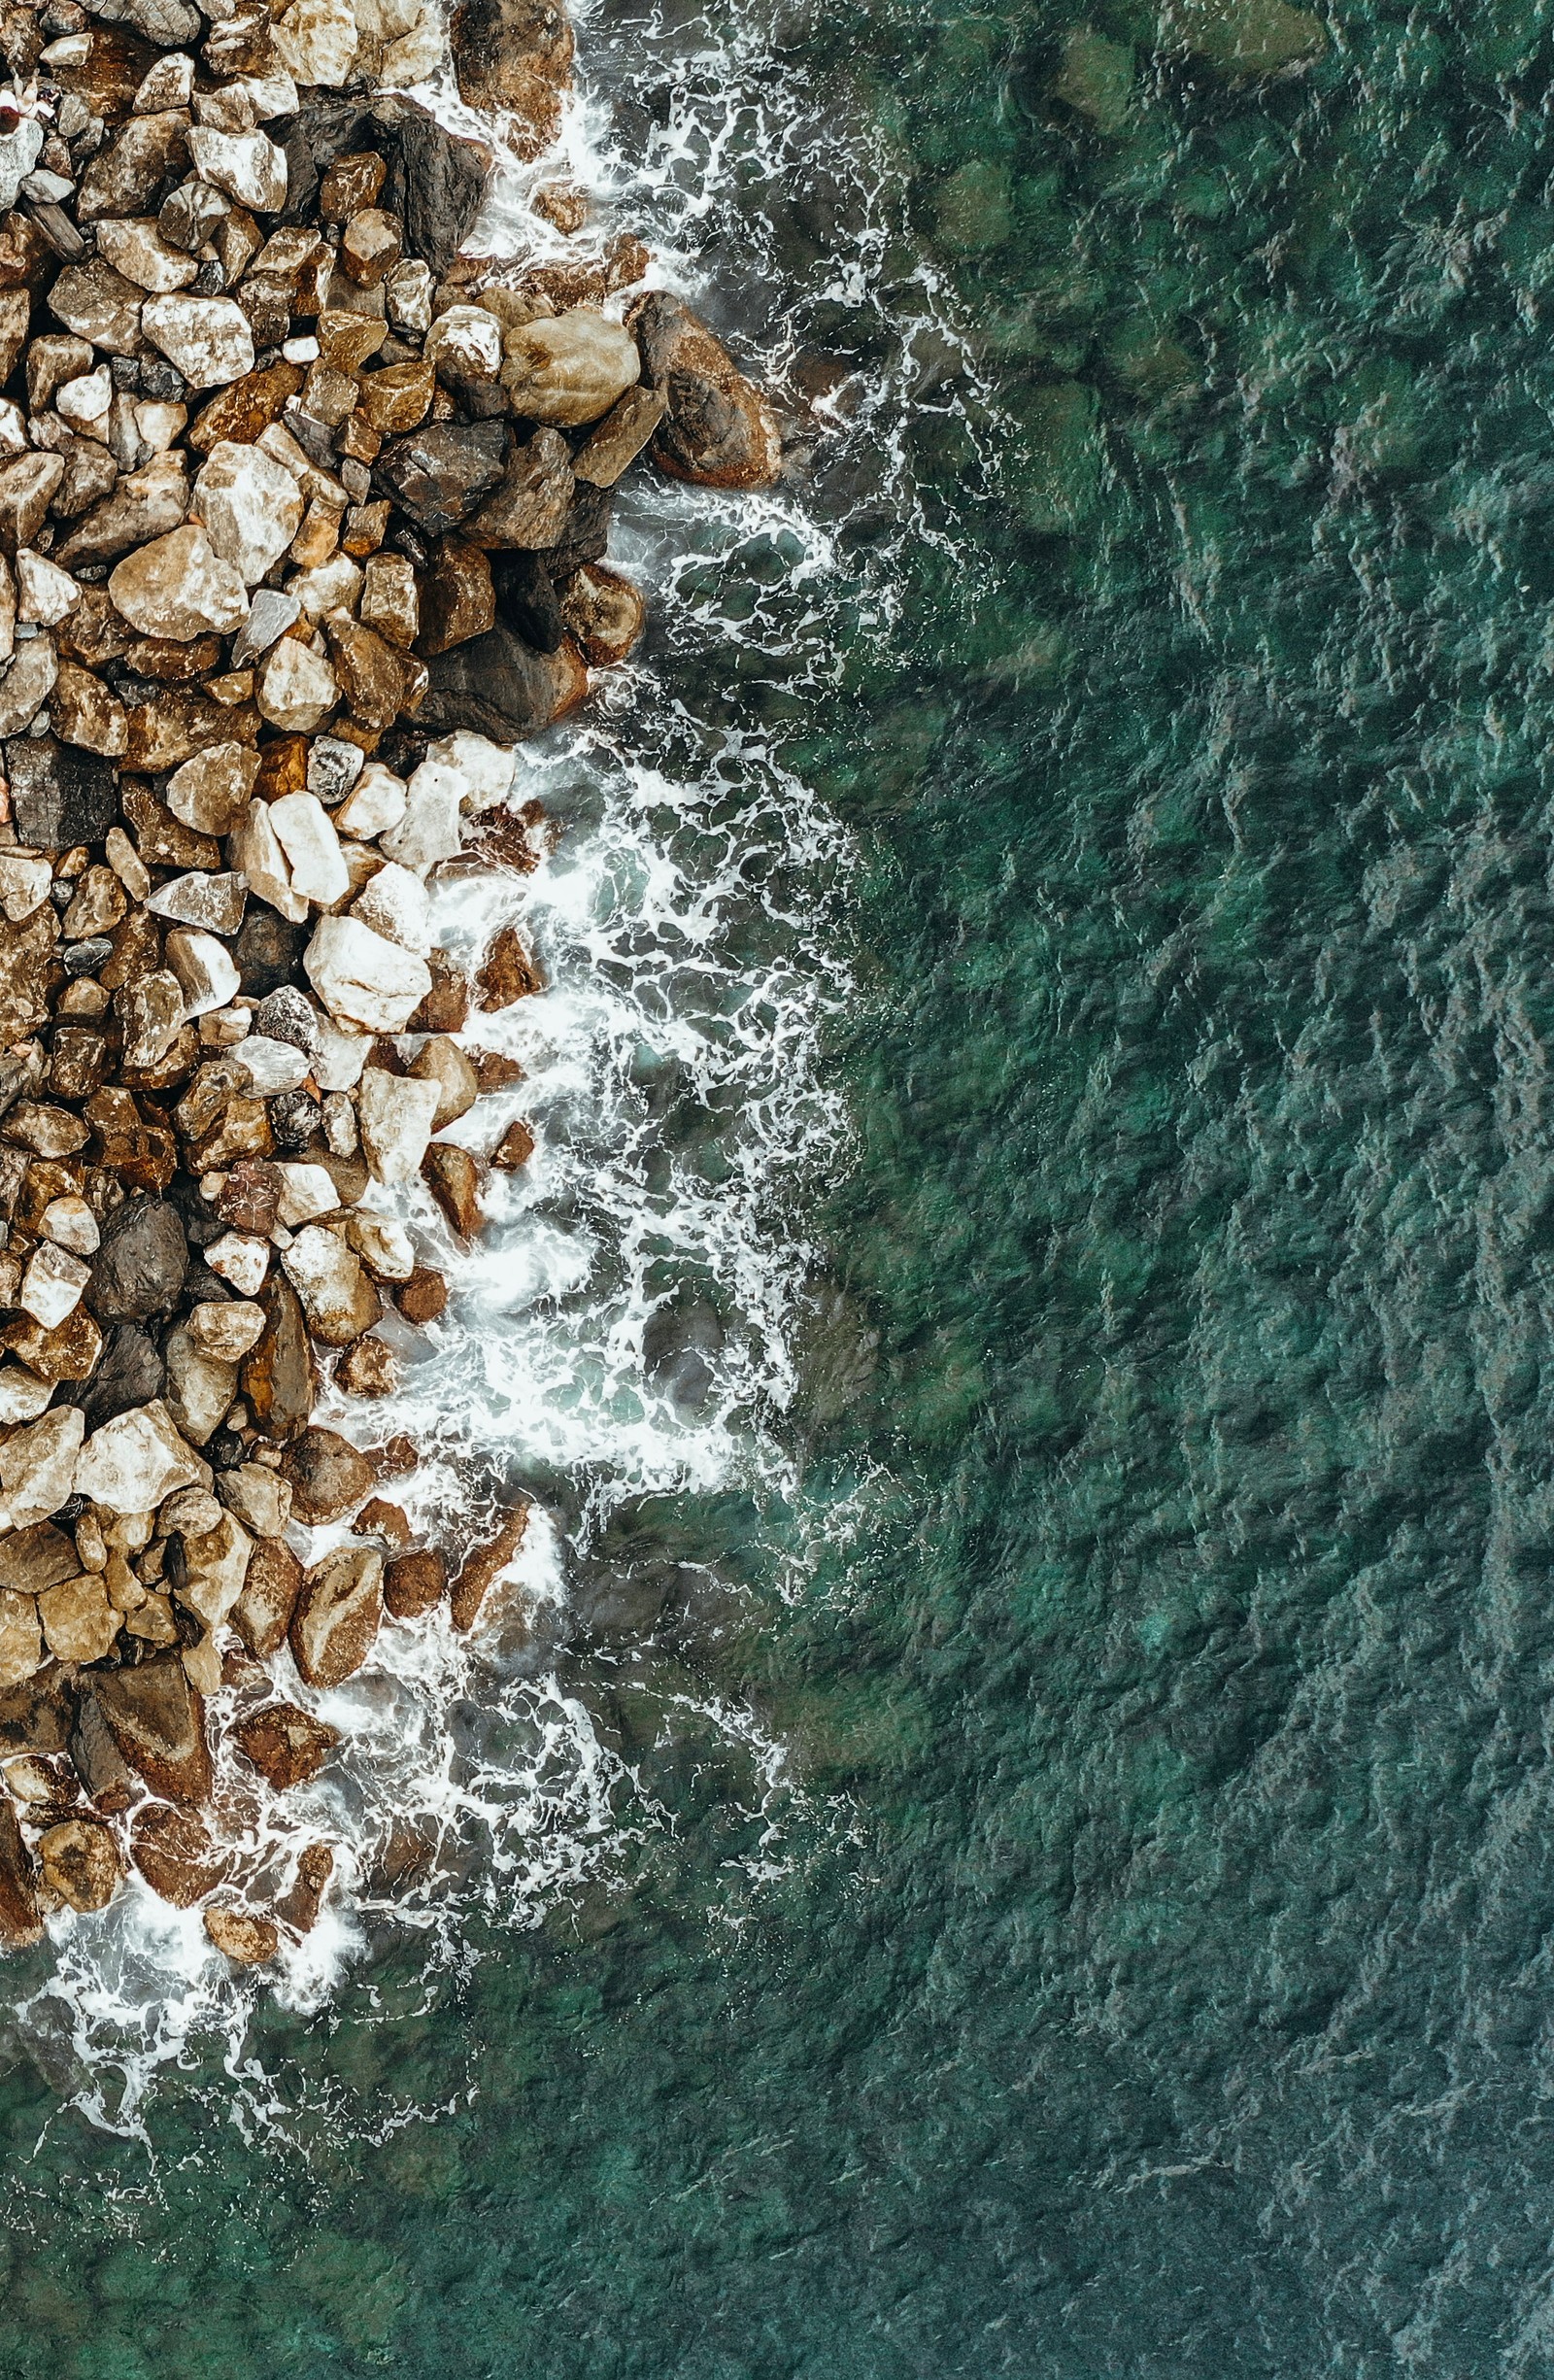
{"points": [[20, 1637], [456, 597], [247, 167], [530, 508], [718, 431], [395, 1117], [136, 248], [79, 1863], [507, 973], [415, 1583], [38, 1466], [515, 1149], [316, 866], [200, 1388], [60, 795], [208, 340], [24, 953], [27, 485], [79, 1623], [453, 1176], [214, 1566], [606, 614], [82, 711], [249, 1941], [287, 1746], [99, 305], [26, 683], [250, 506], [364, 982], [210, 792], [176, 1856], [394, 904], [500, 687], [204, 969], [262, 1613], [278, 1379], [368, 1369], [157, 1721], [297, 688], [566, 370], [338, 1299], [484, 1566], [376, 680], [147, 504], [335, 1624], [620, 438], [132, 1462], [36, 1716], [423, 1297], [129, 1373], [178, 586], [259, 1497], [19, 1922], [436, 181], [213, 903], [328, 1476], [439, 474], [300, 1904]]}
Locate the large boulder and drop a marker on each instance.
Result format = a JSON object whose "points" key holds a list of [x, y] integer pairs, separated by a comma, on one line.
{"points": [[717, 430], [157, 1721], [338, 1614], [500, 687]]}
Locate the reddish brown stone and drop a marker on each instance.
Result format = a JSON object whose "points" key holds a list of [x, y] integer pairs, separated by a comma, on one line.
{"points": [[369, 1369], [415, 1583], [300, 1905], [157, 1721], [247, 1940], [283, 768], [515, 1149], [494, 1072], [453, 1176], [507, 971], [132, 1140], [246, 408], [379, 1518], [422, 1297], [482, 1566], [278, 1379], [250, 1197], [285, 1745], [335, 1624], [176, 1856], [262, 1613], [327, 1474]]}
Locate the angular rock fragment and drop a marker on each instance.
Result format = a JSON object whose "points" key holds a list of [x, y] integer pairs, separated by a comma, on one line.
{"points": [[338, 1614], [287, 1746], [158, 1722]]}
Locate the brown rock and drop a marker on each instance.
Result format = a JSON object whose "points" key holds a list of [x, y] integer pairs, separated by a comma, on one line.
{"points": [[243, 1132], [95, 1756], [285, 1745], [327, 1474], [99, 304], [123, 177], [26, 485], [176, 1856], [515, 1149], [164, 840], [246, 408], [133, 1139], [481, 1568], [717, 430], [379, 1518], [84, 711], [135, 957], [377, 681], [369, 1369], [338, 1614], [351, 183], [370, 247], [446, 1006], [79, 1863], [180, 722], [71, 1352], [19, 1922], [262, 1613], [250, 1197], [247, 1940], [24, 954], [175, 664], [617, 441], [148, 504], [33, 1559], [453, 1175], [415, 1583], [95, 631], [278, 1379], [605, 613], [34, 1716], [529, 509], [422, 1297], [157, 1721], [397, 398], [507, 973], [299, 1907], [457, 599], [440, 473], [504, 49]]}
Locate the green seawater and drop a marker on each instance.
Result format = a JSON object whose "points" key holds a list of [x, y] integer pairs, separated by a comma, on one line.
{"points": [[1143, 1964]]}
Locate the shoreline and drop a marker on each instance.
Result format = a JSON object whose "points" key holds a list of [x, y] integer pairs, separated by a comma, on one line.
{"points": [[305, 514]]}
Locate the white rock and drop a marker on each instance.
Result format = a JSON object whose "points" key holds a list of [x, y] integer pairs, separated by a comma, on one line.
{"points": [[483, 770], [270, 614], [227, 1328], [210, 792], [13, 438], [247, 165], [327, 1278], [216, 1566], [306, 834], [207, 339], [275, 1065], [85, 402], [251, 507], [135, 248], [22, 1395], [467, 341], [38, 1466], [395, 1114], [259, 1497], [341, 1057], [364, 979], [168, 84], [193, 1512], [269, 94], [52, 1285], [69, 1222], [408, 292], [19, 155], [200, 1388], [335, 586], [256, 852], [296, 689], [160, 424], [306, 1192], [44, 593], [135, 1461], [429, 830], [315, 42], [24, 884], [203, 966], [200, 898], [383, 1245], [240, 1259], [394, 904], [376, 802], [178, 586]]}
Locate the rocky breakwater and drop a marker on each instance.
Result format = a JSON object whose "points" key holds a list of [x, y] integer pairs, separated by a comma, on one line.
{"points": [[303, 516]]}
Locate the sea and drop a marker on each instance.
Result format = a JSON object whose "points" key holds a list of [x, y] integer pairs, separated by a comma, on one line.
{"points": [[1009, 1829]]}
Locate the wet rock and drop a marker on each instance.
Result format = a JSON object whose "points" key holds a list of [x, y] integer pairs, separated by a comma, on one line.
{"points": [[369, 1369], [423, 1297], [456, 597], [138, 1268], [484, 1566], [287, 1746], [338, 1299], [717, 430], [453, 1176], [132, 1462], [442, 1062], [327, 1474], [415, 1583], [440, 473], [606, 614], [300, 1905], [500, 687], [366, 983], [262, 1613], [19, 1922], [176, 1856], [436, 181], [60, 795], [507, 973], [395, 1117], [338, 1614], [278, 1379], [619, 437], [249, 1941], [567, 370], [515, 1149], [157, 1721], [79, 1863], [531, 507]]}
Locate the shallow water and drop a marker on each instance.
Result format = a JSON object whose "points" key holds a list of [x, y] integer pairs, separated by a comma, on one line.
{"points": [[1035, 1858]]}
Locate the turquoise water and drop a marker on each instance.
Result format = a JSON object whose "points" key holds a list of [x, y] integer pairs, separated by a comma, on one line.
{"points": [[1081, 1889]]}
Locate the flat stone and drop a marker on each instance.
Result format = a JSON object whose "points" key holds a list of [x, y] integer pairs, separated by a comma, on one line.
{"points": [[620, 438], [207, 339], [258, 854], [365, 982], [178, 586], [398, 398], [394, 904], [370, 248], [338, 1614], [482, 1566], [368, 1369], [457, 599], [132, 1462], [176, 1856], [507, 973], [377, 681], [287, 1746], [383, 1245], [251, 509]]}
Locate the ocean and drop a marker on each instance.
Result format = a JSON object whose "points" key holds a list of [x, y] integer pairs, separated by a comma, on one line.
{"points": [[1022, 1845]]}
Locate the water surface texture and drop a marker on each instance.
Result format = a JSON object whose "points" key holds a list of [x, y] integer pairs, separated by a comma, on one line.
{"points": [[1047, 1438]]}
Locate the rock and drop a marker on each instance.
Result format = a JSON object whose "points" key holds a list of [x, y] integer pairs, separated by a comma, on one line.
{"points": [[499, 685], [297, 688], [200, 1388], [423, 1297], [484, 1566], [240, 1260], [35, 1716], [158, 1722], [178, 586], [507, 973], [249, 1941], [24, 884], [26, 683], [24, 953], [337, 1298], [566, 370], [19, 1922], [213, 902], [394, 904], [515, 1149], [83, 712], [262, 1613], [436, 183], [151, 1013], [334, 768], [606, 614], [315, 41], [316, 865], [453, 1176], [215, 1565], [38, 1466], [383, 1245], [415, 1583], [717, 430], [376, 803], [259, 1497], [27, 485], [247, 167], [131, 1463], [145, 504], [278, 1379], [271, 612], [79, 1623], [78, 1861], [363, 980], [208, 340], [251, 509], [429, 830], [376, 680], [530, 508], [20, 1637], [130, 1371], [369, 247], [335, 1624], [439, 474], [395, 1118], [44, 593], [619, 437], [306, 1191], [287, 1747], [60, 795], [256, 852], [368, 1369], [204, 969], [328, 1476], [456, 598], [176, 1856], [397, 398], [274, 1066], [300, 1904], [99, 305], [52, 1284], [136, 249]]}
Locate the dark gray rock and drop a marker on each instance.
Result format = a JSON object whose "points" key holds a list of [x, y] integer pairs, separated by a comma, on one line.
{"points": [[439, 474], [499, 685], [526, 600], [139, 1268], [61, 794], [130, 1373], [267, 953], [435, 184], [94, 1755], [36, 1716], [286, 1014]]}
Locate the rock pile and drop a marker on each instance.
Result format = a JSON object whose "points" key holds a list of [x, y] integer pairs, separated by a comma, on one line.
{"points": [[303, 516]]}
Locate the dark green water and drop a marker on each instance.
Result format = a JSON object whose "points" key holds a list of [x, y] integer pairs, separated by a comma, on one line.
{"points": [[1154, 1979]]}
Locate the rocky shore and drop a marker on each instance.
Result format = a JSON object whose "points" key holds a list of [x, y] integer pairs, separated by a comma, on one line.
{"points": [[304, 515]]}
